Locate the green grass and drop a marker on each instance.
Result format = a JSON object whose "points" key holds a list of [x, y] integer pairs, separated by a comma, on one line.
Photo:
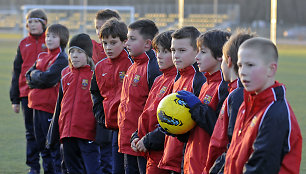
{"points": [[291, 71]]}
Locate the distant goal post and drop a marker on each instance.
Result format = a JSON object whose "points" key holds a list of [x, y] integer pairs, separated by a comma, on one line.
{"points": [[77, 18]]}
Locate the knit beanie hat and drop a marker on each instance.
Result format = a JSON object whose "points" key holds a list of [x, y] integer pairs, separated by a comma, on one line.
{"points": [[39, 14], [81, 41]]}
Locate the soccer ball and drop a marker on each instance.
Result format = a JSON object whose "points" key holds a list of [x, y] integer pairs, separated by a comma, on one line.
{"points": [[173, 115]]}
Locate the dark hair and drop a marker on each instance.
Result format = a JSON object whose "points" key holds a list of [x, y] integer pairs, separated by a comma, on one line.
{"points": [[38, 13], [114, 28], [187, 32], [163, 39], [60, 30], [107, 14], [146, 27], [214, 40], [230, 48]]}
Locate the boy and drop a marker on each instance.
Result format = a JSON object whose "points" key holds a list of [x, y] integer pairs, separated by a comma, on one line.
{"points": [[101, 17], [205, 109], [107, 82], [27, 52], [74, 108], [148, 139], [184, 51], [43, 78], [135, 89], [224, 127], [267, 137]]}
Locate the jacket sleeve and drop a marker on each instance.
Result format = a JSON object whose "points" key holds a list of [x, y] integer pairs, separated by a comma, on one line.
{"points": [[14, 90], [51, 76], [97, 101], [273, 134], [154, 140], [53, 136]]}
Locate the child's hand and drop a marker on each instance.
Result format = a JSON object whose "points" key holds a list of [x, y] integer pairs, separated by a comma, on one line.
{"points": [[189, 98], [133, 144], [16, 108], [140, 146]]}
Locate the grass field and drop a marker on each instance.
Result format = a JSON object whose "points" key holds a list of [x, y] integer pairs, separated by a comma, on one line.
{"points": [[291, 71]]}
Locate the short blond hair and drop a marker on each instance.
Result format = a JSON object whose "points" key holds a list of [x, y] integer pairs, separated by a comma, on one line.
{"points": [[265, 47]]}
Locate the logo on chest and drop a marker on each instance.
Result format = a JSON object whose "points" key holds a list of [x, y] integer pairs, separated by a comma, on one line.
{"points": [[254, 121], [43, 47], [162, 91], [84, 83], [121, 75], [207, 99], [136, 80]]}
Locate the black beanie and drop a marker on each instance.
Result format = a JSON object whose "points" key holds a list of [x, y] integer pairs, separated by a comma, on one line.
{"points": [[83, 42]]}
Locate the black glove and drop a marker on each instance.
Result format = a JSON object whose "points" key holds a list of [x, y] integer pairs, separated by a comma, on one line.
{"points": [[189, 98]]}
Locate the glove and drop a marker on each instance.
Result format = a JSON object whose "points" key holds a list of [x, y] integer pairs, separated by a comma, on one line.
{"points": [[189, 98], [165, 132]]}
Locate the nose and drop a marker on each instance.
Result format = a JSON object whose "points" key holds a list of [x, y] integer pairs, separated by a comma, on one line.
{"points": [[241, 71]]}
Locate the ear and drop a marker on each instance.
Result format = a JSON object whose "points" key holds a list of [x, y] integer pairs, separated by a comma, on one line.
{"points": [[219, 59], [229, 61], [272, 69], [148, 44]]}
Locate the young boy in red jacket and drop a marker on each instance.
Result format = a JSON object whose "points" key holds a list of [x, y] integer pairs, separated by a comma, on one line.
{"points": [[27, 52], [205, 109], [74, 108], [184, 51], [223, 131], [43, 77], [148, 139], [102, 16], [107, 83], [137, 83], [267, 137]]}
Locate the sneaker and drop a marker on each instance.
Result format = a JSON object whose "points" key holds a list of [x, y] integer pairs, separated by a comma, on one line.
{"points": [[32, 171]]}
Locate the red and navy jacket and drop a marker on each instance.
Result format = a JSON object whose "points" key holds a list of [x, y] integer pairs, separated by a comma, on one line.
{"points": [[223, 131], [27, 53], [44, 77], [106, 87], [267, 137], [74, 105], [97, 52], [147, 123], [190, 80], [135, 89], [212, 95]]}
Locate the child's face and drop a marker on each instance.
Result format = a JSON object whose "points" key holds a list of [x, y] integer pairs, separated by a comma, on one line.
{"points": [[98, 25], [183, 54], [225, 69], [253, 70], [112, 46], [164, 57], [52, 41], [77, 57], [135, 43], [35, 27], [206, 61]]}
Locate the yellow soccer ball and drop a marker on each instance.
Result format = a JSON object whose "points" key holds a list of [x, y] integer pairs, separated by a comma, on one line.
{"points": [[173, 115]]}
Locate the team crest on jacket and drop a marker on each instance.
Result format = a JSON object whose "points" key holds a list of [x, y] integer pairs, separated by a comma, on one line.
{"points": [[136, 80], [222, 112], [254, 120], [207, 99], [121, 75], [162, 91], [84, 83], [43, 47]]}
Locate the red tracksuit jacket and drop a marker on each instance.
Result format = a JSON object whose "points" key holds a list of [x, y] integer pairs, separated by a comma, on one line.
{"points": [[135, 89], [221, 136], [45, 81], [76, 117], [191, 80], [147, 122], [212, 95], [97, 52], [267, 137], [109, 74], [27, 53]]}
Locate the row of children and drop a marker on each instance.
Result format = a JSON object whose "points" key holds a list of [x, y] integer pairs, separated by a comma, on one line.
{"points": [[123, 91]]}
